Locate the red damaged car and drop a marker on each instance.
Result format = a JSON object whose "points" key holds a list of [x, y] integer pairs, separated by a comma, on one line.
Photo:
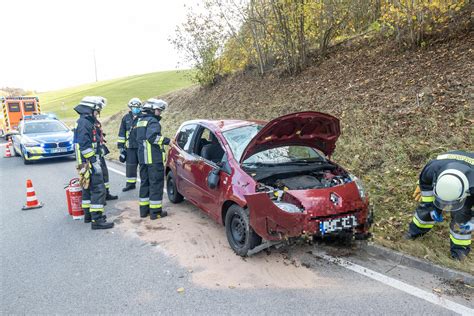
{"points": [[267, 182]]}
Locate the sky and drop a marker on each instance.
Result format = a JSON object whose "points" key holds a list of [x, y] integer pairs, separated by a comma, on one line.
{"points": [[50, 44]]}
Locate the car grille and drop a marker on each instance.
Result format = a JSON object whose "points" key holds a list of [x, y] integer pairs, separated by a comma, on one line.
{"points": [[49, 145], [64, 144]]}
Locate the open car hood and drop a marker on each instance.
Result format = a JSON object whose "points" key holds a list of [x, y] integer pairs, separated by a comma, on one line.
{"points": [[312, 129]]}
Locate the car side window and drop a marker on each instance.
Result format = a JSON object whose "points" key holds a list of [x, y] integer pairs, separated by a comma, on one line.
{"points": [[185, 136], [208, 146]]}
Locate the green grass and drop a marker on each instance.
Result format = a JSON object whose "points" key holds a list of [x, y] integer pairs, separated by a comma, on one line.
{"points": [[118, 92], [386, 150]]}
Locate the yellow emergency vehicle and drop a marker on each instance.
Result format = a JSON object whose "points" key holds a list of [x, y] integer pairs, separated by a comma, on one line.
{"points": [[14, 109]]}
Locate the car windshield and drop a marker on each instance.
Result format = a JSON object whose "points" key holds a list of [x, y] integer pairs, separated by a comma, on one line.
{"points": [[44, 127], [240, 137]]}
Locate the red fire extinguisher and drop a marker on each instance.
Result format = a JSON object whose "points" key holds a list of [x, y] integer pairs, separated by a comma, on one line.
{"points": [[74, 199]]}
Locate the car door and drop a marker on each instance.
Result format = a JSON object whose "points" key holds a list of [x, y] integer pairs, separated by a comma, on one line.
{"points": [[182, 148], [198, 169]]}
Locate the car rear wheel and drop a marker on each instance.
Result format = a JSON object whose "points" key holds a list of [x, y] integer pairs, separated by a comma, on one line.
{"points": [[240, 235], [173, 195]]}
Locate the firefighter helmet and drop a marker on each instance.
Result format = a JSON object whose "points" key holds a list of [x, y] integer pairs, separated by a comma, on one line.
{"points": [[450, 190], [95, 103], [155, 104], [134, 103]]}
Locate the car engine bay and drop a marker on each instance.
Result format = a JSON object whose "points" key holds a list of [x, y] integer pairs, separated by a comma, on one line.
{"points": [[325, 176]]}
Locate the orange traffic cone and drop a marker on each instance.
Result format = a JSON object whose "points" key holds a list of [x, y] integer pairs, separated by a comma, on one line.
{"points": [[31, 200], [8, 153]]}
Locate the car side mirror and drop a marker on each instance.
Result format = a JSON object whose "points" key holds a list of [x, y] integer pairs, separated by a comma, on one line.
{"points": [[213, 178]]}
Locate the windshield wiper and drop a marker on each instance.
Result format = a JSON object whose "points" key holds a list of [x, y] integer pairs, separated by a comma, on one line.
{"points": [[303, 162], [259, 164]]}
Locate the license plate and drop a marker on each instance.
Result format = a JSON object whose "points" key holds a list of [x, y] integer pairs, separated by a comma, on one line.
{"points": [[58, 150], [338, 224]]}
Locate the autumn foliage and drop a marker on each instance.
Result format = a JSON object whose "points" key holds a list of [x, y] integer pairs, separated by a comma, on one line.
{"points": [[224, 36]]}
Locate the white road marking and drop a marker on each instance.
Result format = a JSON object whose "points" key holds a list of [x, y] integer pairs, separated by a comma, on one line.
{"points": [[123, 174], [402, 286], [399, 285], [119, 172]]}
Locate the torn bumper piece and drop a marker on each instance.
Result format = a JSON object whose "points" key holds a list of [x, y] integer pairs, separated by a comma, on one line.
{"points": [[274, 224]]}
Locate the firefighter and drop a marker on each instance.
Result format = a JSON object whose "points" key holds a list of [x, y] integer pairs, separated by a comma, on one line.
{"points": [[447, 184], [127, 143], [88, 154], [104, 151], [151, 157]]}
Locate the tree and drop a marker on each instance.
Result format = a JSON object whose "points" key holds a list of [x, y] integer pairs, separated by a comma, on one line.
{"points": [[200, 40]]}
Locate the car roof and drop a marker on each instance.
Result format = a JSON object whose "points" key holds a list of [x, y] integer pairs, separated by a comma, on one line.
{"points": [[224, 125], [41, 120]]}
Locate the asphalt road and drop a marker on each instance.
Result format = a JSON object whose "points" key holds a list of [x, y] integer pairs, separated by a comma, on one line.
{"points": [[52, 264]]}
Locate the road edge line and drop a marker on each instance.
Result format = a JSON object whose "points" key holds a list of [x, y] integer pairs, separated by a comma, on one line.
{"points": [[399, 285], [417, 263]]}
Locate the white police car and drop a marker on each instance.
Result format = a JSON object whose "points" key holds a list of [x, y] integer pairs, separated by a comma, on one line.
{"points": [[42, 137]]}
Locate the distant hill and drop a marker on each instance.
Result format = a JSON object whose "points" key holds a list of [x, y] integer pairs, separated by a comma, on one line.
{"points": [[117, 91]]}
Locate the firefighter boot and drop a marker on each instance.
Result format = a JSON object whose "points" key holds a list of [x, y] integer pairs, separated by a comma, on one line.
{"points": [[99, 222], [158, 214], [144, 211], [87, 215], [129, 186], [109, 196]]}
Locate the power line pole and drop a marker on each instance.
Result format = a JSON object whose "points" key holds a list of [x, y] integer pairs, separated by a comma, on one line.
{"points": [[95, 67]]}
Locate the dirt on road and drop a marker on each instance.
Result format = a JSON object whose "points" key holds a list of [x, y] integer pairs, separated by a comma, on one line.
{"points": [[200, 245]]}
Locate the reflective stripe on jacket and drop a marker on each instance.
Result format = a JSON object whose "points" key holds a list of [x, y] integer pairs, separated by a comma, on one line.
{"points": [[127, 133], [86, 140], [150, 140]]}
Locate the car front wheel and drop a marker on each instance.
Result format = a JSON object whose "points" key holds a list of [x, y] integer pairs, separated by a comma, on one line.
{"points": [[173, 195], [25, 161], [240, 235]]}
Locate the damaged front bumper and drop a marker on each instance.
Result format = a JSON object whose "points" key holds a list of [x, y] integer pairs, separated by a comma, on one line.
{"points": [[320, 215]]}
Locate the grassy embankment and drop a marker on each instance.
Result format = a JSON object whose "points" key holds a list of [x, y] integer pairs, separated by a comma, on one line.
{"points": [[397, 111]]}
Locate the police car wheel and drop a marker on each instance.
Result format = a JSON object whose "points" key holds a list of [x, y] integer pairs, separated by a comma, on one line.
{"points": [[25, 161], [173, 195]]}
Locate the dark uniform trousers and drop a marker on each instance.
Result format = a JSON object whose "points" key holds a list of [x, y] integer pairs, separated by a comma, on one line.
{"points": [[93, 198], [105, 172], [131, 165], [460, 242], [127, 140], [151, 189]]}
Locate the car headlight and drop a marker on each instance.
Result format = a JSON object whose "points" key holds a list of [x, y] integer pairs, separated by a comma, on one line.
{"points": [[359, 185], [31, 144], [288, 207]]}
